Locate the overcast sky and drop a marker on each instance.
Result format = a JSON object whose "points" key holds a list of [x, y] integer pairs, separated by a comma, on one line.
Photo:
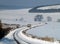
{"points": [[29, 3]]}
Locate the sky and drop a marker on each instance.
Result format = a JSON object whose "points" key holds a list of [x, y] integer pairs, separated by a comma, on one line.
{"points": [[27, 3]]}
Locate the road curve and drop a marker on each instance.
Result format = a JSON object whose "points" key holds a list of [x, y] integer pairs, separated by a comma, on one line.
{"points": [[21, 37]]}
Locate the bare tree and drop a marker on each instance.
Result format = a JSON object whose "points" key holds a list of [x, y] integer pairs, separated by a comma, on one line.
{"points": [[38, 18], [58, 20], [49, 18]]}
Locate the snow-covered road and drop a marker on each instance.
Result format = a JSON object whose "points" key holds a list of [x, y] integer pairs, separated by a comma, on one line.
{"points": [[23, 38]]}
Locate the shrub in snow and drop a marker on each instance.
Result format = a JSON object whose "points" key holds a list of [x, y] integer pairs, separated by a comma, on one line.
{"points": [[58, 20], [28, 25], [49, 18], [4, 31], [38, 18], [51, 39]]}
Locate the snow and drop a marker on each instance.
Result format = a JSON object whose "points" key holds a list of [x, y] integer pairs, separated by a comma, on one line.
{"points": [[19, 35], [23, 17], [50, 7], [51, 29], [7, 41]]}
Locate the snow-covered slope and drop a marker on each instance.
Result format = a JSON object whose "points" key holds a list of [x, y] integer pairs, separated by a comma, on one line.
{"points": [[24, 17], [28, 39], [51, 29], [50, 7]]}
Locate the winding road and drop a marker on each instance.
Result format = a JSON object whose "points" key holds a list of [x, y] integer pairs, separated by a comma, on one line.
{"points": [[21, 37]]}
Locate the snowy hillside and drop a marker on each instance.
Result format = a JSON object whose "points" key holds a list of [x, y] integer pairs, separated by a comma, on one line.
{"points": [[51, 29], [24, 17], [52, 7]]}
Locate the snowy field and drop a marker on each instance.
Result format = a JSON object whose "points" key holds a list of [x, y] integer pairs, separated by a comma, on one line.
{"points": [[23, 17], [51, 29]]}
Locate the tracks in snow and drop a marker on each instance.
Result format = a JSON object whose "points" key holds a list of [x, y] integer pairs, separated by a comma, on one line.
{"points": [[21, 38]]}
